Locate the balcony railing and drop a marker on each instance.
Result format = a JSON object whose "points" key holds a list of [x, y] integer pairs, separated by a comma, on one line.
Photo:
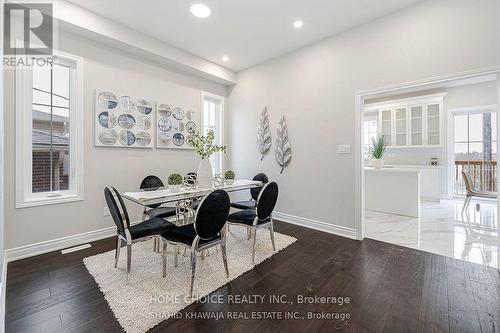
{"points": [[483, 173]]}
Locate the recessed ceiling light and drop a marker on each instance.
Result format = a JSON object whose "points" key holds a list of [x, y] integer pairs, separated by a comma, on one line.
{"points": [[200, 10], [225, 58], [298, 24]]}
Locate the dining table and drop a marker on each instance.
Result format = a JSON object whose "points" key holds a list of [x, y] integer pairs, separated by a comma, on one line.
{"points": [[183, 197], [166, 195]]}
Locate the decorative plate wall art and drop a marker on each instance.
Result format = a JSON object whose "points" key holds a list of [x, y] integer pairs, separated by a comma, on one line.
{"points": [[123, 121], [175, 125]]}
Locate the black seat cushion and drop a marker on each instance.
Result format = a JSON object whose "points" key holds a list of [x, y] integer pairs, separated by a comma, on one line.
{"points": [[250, 204], [162, 212], [244, 217], [184, 234], [150, 227]]}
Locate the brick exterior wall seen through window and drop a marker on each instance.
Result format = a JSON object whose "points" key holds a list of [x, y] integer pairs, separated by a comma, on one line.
{"points": [[41, 172]]}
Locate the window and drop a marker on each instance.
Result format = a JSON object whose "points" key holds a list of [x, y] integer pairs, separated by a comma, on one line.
{"points": [[49, 129], [213, 108], [369, 133], [475, 140]]}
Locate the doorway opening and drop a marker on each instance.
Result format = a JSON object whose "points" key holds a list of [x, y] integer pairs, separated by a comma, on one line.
{"points": [[436, 132]]}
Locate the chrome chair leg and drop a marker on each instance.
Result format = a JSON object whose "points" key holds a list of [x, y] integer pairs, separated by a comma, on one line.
{"points": [[158, 244], [129, 261], [164, 258], [466, 204], [117, 251], [193, 268], [175, 255], [253, 248], [224, 258], [271, 231]]}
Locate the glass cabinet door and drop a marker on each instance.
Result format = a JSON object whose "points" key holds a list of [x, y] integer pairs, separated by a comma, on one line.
{"points": [[433, 121], [400, 119], [386, 125], [416, 125]]}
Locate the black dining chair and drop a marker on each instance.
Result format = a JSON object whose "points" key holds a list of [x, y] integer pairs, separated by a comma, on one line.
{"points": [[261, 217], [254, 194], [153, 183], [207, 231], [125, 233]]}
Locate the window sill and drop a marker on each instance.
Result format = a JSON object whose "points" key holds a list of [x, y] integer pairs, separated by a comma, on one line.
{"points": [[49, 201]]}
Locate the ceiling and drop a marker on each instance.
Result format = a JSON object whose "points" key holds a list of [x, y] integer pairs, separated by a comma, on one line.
{"points": [[247, 31]]}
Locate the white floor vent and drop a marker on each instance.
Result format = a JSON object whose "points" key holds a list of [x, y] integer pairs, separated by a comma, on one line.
{"points": [[76, 248]]}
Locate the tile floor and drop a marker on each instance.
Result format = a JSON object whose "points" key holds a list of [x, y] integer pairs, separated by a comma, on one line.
{"points": [[442, 230]]}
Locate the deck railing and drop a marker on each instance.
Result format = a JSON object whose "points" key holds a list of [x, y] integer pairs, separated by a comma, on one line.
{"points": [[483, 173]]}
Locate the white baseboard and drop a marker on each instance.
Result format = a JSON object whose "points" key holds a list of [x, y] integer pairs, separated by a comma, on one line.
{"points": [[316, 225], [91, 236], [58, 244]]}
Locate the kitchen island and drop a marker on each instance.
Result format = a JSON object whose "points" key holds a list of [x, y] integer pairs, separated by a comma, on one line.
{"points": [[393, 190]]}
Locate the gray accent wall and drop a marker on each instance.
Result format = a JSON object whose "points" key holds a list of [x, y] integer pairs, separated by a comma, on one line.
{"points": [[314, 87]]}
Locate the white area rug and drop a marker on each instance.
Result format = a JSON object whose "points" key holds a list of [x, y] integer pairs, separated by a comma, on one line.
{"points": [[149, 299]]}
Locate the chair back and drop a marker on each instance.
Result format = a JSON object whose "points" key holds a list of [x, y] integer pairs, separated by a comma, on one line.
{"points": [[267, 200], [151, 183], [254, 192], [117, 208], [468, 182], [211, 215]]}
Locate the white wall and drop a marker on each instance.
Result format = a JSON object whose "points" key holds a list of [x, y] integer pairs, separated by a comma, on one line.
{"points": [[104, 68], [314, 88]]}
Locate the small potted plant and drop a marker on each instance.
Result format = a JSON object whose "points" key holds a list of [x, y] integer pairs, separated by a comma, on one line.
{"points": [[377, 151], [229, 177], [174, 182]]}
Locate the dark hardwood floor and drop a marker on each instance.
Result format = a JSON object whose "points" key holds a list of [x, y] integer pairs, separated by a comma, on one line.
{"points": [[391, 288]]}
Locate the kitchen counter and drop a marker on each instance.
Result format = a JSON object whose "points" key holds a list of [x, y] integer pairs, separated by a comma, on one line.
{"points": [[392, 170], [413, 166], [430, 178], [393, 190]]}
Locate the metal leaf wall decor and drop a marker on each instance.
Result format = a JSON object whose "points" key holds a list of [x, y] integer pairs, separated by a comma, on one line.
{"points": [[282, 147], [264, 134]]}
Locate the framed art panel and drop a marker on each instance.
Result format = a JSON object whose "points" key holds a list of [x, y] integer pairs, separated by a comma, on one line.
{"points": [[175, 125], [123, 121]]}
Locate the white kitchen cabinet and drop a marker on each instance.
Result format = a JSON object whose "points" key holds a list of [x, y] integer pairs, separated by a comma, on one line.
{"points": [[433, 119], [385, 125], [411, 122], [416, 125], [401, 126]]}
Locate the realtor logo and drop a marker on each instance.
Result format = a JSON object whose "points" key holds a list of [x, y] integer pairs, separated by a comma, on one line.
{"points": [[28, 29]]}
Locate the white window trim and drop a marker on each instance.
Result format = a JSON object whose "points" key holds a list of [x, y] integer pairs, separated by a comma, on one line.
{"points": [[222, 139], [24, 195]]}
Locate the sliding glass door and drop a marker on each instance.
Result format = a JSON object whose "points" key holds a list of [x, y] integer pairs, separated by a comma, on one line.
{"points": [[475, 152]]}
